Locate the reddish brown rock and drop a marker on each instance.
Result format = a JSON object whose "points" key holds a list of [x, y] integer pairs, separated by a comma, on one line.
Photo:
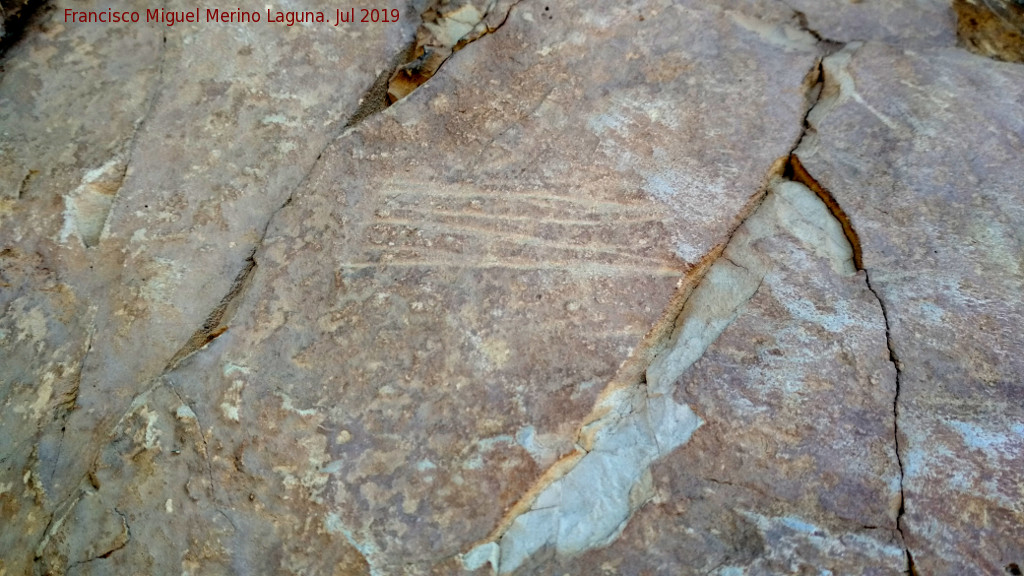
{"points": [[446, 308], [927, 168], [553, 311], [433, 315], [781, 353]]}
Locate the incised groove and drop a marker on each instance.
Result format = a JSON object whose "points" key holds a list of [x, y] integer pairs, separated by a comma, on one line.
{"points": [[440, 31], [439, 19], [216, 322], [586, 499]]}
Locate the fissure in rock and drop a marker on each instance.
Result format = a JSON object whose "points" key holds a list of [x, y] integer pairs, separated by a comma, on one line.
{"points": [[799, 174], [446, 26], [588, 498], [796, 171]]}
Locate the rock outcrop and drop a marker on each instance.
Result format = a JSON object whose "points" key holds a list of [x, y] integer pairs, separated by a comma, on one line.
{"points": [[513, 288]]}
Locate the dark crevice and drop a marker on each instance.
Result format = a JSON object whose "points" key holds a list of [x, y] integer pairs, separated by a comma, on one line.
{"points": [[17, 17], [119, 545], [26, 182], [215, 324], [827, 43], [795, 171], [896, 422], [695, 276], [429, 53], [376, 97], [633, 372], [798, 173], [801, 19], [813, 85], [127, 530], [419, 61]]}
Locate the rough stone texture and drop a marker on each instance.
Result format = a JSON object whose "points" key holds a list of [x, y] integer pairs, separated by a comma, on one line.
{"points": [[446, 26], [930, 176], [130, 202], [557, 310], [401, 364], [993, 28], [793, 471], [911, 23]]}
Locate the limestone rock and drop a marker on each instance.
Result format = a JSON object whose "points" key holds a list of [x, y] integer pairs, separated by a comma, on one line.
{"points": [[131, 164], [928, 171], [794, 468], [610, 288], [434, 314]]}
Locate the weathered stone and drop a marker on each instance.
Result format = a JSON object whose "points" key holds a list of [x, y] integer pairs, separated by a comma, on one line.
{"points": [[928, 170], [441, 310], [133, 162], [446, 26], [781, 341], [571, 305], [420, 301], [911, 23], [993, 28]]}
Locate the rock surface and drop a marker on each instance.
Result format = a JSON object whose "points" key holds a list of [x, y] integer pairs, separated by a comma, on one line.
{"points": [[930, 178], [646, 288], [131, 202]]}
